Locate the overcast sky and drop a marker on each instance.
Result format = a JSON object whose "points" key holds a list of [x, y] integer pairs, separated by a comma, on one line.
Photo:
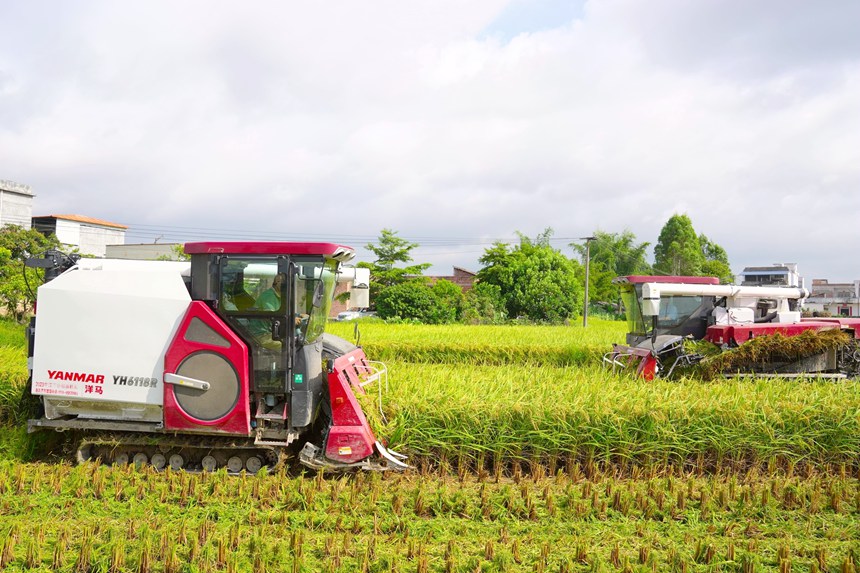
{"points": [[454, 123]]}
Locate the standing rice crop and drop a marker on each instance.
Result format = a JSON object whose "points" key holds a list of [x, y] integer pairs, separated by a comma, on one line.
{"points": [[522, 412], [485, 345]]}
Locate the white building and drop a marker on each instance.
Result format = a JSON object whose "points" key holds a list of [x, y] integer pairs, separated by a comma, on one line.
{"points": [[836, 299], [16, 204], [779, 274], [90, 236]]}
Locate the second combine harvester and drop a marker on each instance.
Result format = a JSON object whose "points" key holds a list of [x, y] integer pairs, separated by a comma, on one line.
{"points": [[666, 312]]}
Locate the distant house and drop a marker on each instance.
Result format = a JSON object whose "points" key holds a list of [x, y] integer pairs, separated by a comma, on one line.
{"points": [[461, 277], [779, 274], [16, 204], [837, 299], [90, 236]]}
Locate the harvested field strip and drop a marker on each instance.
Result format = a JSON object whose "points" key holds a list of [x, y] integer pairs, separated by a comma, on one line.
{"points": [[521, 413], [485, 345], [119, 519]]}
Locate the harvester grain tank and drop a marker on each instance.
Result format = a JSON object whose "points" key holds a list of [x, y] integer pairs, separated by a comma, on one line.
{"points": [[222, 361], [664, 312]]}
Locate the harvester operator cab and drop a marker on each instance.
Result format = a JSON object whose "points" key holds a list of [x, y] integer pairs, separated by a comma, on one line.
{"points": [[277, 300], [676, 316]]}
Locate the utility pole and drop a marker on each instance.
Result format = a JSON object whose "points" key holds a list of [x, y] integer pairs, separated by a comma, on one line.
{"points": [[587, 265]]}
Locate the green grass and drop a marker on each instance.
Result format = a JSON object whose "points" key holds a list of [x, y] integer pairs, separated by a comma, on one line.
{"points": [[13, 369], [12, 334]]}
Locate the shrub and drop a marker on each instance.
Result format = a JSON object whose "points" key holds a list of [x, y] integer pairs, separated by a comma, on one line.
{"points": [[483, 304], [413, 300]]}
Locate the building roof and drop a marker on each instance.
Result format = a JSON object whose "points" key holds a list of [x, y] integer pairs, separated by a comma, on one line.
{"points": [[776, 269], [84, 219], [13, 187]]}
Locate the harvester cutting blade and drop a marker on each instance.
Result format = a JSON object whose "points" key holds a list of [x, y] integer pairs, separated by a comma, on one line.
{"points": [[312, 457], [393, 457]]}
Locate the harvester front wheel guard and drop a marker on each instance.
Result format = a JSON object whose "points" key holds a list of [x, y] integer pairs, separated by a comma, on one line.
{"points": [[647, 362], [642, 360]]}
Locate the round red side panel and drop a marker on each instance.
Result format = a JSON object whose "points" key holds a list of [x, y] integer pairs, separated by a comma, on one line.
{"points": [[193, 339]]}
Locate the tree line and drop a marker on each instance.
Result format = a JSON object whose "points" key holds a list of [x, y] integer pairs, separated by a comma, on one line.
{"points": [[530, 280], [534, 281]]}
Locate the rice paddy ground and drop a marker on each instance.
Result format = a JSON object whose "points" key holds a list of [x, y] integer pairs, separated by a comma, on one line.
{"points": [[54, 517], [529, 458]]}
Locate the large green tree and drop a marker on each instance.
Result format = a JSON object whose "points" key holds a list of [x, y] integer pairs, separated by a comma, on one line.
{"points": [[388, 269], [18, 283], [535, 280], [680, 251]]}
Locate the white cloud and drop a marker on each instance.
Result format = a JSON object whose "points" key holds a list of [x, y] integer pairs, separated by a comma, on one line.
{"points": [[443, 119]]}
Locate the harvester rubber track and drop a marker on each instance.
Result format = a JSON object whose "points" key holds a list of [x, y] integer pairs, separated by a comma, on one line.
{"points": [[188, 453]]}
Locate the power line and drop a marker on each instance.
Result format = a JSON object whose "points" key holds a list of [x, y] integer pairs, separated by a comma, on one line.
{"points": [[436, 246], [168, 233]]}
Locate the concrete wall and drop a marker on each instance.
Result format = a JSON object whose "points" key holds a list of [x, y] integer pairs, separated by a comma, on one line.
{"points": [[16, 204], [94, 240], [89, 239], [141, 252]]}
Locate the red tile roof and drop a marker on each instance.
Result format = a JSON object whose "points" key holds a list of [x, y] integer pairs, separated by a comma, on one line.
{"points": [[83, 219]]}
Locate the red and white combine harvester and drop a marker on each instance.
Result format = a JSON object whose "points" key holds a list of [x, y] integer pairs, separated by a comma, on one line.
{"points": [[222, 361], [665, 311]]}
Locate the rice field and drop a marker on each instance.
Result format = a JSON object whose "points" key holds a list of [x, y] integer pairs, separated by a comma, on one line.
{"points": [[529, 457], [55, 517], [563, 415], [497, 396], [484, 345]]}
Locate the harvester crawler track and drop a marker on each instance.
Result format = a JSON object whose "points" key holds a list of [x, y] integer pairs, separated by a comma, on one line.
{"points": [[188, 453]]}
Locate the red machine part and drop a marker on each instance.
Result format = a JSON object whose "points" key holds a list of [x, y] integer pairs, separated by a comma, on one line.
{"points": [[735, 335], [350, 438], [850, 325], [226, 346], [266, 248], [643, 359]]}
